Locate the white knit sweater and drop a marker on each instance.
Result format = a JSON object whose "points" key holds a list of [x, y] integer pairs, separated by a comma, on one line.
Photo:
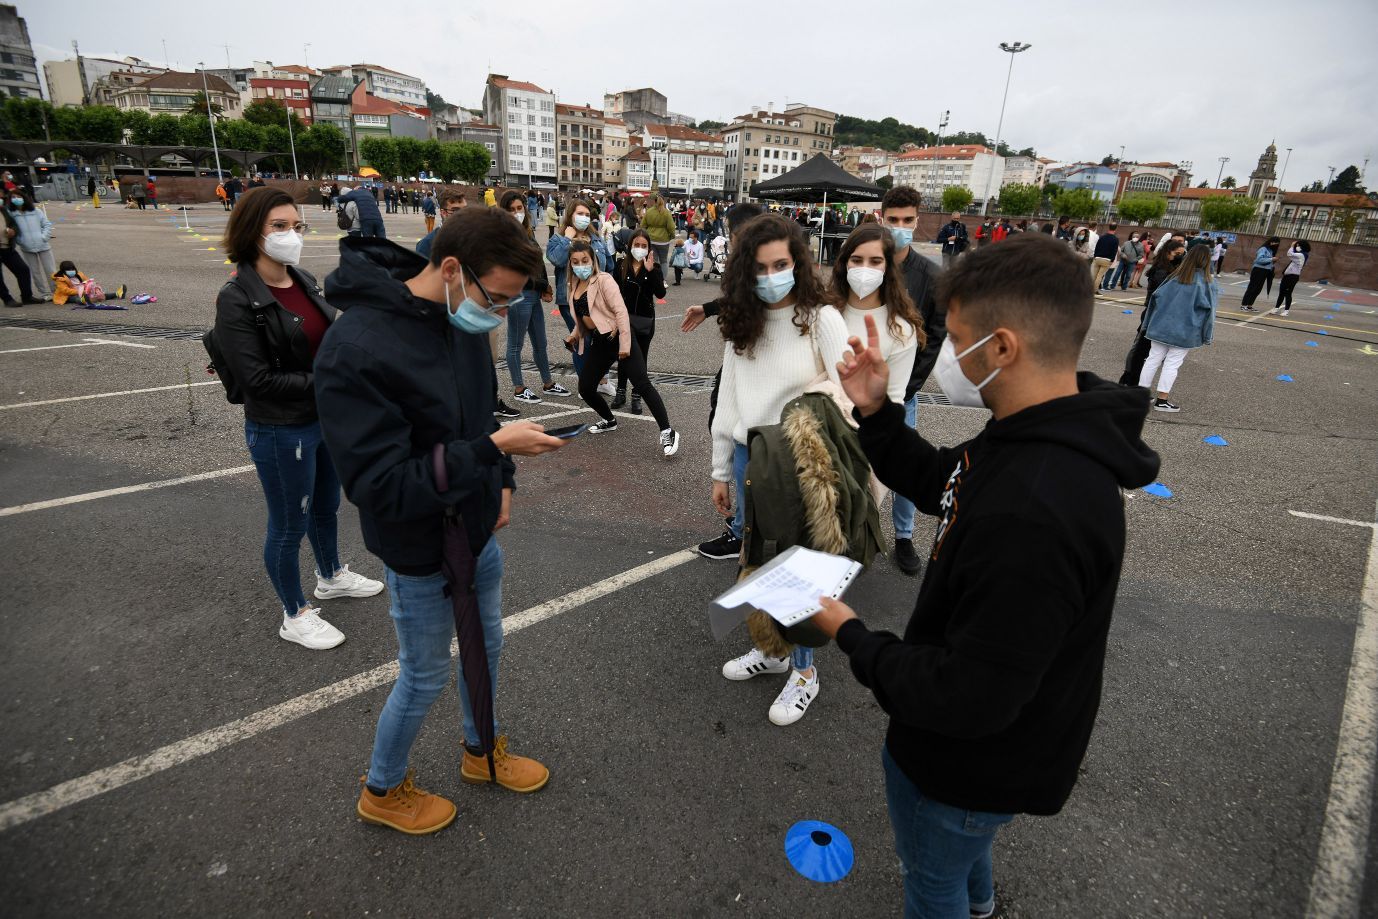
{"points": [[755, 389], [899, 353]]}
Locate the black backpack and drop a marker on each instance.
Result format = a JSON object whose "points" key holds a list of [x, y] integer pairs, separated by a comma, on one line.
{"points": [[342, 218], [220, 367]]}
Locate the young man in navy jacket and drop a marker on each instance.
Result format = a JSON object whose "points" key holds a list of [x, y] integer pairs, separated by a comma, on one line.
{"points": [[406, 367], [993, 690]]}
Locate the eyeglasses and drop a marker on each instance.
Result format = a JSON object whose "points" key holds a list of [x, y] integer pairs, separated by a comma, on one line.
{"points": [[493, 305], [282, 226], [451, 211]]}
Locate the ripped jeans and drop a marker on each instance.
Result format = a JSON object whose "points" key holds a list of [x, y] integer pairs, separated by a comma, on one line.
{"points": [[302, 490]]}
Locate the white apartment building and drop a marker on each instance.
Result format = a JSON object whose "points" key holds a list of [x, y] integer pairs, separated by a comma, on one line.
{"points": [[932, 169], [684, 160], [385, 83], [1025, 170], [70, 81], [526, 113], [616, 145], [765, 143], [637, 169]]}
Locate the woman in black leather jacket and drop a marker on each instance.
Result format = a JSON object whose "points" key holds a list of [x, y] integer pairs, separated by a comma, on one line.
{"points": [[642, 281], [269, 320]]}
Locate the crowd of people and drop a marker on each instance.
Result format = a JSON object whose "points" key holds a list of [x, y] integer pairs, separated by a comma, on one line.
{"points": [[382, 384]]}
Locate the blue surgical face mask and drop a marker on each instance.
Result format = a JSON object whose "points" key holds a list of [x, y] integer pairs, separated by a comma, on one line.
{"points": [[772, 288], [583, 272], [17, 202], [470, 317], [903, 236], [581, 221], [70, 274]]}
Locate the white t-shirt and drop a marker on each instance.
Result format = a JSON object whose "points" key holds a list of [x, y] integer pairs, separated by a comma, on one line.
{"points": [[756, 388], [899, 353]]}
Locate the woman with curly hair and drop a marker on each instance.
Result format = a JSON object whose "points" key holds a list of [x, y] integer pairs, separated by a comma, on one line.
{"points": [[781, 336]]}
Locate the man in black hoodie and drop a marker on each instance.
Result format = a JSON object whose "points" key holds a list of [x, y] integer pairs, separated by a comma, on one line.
{"points": [[406, 367], [993, 690]]}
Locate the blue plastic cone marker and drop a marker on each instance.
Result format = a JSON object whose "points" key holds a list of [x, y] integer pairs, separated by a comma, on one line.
{"points": [[819, 851], [1215, 440], [1284, 378], [1322, 332], [1127, 312], [1158, 489], [1329, 317], [1312, 344]]}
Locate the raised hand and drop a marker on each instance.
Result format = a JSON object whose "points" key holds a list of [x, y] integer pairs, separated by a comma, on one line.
{"points": [[863, 372]]}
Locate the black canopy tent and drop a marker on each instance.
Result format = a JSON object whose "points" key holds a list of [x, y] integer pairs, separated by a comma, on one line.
{"points": [[817, 181]]}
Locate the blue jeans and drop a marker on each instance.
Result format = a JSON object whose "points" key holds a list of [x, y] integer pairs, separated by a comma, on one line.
{"points": [[303, 494], [568, 316], [425, 623], [1123, 272], [902, 509], [801, 658], [524, 316], [944, 851], [373, 226]]}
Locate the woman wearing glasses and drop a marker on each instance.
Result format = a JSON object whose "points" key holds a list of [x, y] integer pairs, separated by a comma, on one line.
{"points": [[269, 322]]}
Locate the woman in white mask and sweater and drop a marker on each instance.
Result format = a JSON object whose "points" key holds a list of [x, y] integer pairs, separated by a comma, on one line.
{"points": [[866, 281]]}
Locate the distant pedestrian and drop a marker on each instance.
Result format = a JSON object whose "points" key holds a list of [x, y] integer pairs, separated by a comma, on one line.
{"points": [[1106, 249], [139, 192], [1180, 319], [35, 230], [370, 220], [1218, 254], [1131, 250], [428, 209], [152, 193], [1262, 272], [325, 196], [389, 199], [222, 196], [953, 239], [92, 190], [10, 257], [1296, 261]]}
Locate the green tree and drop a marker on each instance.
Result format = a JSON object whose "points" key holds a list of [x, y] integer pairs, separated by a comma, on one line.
{"points": [[956, 198], [708, 125], [198, 105], [1020, 200], [1316, 186], [432, 151], [886, 182], [1108, 160], [381, 154], [65, 124], [164, 131], [1229, 182], [411, 156], [266, 112], [1027, 151], [1226, 212], [136, 123], [25, 119], [321, 149], [101, 124], [470, 161], [435, 101], [1204, 184], [1346, 183], [240, 135], [1347, 216], [194, 130], [1141, 208], [1078, 203]]}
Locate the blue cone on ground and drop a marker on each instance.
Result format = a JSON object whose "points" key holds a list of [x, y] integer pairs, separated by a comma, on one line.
{"points": [[819, 851]]}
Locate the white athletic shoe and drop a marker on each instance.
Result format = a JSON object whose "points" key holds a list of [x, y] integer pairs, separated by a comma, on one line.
{"points": [[753, 663], [794, 699], [669, 441], [607, 389], [346, 583], [309, 630]]}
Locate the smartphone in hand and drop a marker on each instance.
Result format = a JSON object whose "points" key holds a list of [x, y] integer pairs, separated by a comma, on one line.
{"points": [[569, 433]]}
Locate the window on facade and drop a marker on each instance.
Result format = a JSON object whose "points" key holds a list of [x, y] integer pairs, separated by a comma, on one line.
{"points": [[530, 119], [548, 152], [530, 151]]}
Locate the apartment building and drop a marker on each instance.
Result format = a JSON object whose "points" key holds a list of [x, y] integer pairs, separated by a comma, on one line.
{"points": [[580, 129], [764, 143], [616, 145], [526, 113], [685, 161], [932, 169]]}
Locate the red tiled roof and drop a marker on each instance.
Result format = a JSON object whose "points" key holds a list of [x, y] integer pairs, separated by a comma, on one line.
{"points": [[947, 152], [563, 109], [369, 104], [501, 82], [1192, 194], [678, 132], [176, 80], [482, 126], [615, 121], [295, 68], [1321, 199], [639, 154]]}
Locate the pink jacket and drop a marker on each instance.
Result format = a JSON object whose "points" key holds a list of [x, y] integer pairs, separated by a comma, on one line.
{"points": [[606, 308]]}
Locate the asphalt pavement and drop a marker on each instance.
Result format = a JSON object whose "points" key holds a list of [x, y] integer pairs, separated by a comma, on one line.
{"points": [[169, 755]]}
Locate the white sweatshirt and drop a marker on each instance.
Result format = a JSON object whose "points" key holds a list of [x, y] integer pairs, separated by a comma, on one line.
{"points": [[755, 389], [899, 353]]}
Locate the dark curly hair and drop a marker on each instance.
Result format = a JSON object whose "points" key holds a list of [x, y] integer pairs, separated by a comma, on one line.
{"points": [[743, 316], [893, 293]]}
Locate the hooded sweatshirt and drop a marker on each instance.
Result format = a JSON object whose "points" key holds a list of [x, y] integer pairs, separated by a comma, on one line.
{"points": [[993, 690], [393, 378]]}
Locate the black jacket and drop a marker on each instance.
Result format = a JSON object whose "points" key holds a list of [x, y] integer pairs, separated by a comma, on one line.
{"points": [[640, 290], [1108, 246], [277, 380], [993, 691], [365, 201], [921, 280], [394, 378], [953, 238]]}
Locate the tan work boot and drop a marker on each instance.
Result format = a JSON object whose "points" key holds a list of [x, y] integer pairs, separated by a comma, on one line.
{"points": [[518, 773], [406, 808]]}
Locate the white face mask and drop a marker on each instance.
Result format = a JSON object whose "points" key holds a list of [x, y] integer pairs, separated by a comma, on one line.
{"points": [[639, 254], [956, 385], [520, 215], [284, 247], [864, 281]]}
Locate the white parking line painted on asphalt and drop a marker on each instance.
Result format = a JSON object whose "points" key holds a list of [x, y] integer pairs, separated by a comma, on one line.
{"points": [[74, 791], [1354, 523], [90, 342], [124, 490], [104, 395], [1338, 880]]}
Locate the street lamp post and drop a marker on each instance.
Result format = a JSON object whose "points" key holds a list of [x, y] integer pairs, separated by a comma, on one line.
{"points": [[292, 142], [1010, 48], [1221, 173], [1330, 181], [942, 125], [210, 116]]}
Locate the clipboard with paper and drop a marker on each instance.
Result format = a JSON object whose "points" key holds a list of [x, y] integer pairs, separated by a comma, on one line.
{"points": [[786, 588]]}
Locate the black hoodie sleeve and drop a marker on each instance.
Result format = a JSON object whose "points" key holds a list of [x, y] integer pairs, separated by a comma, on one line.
{"points": [[902, 460], [1018, 586], [370, 442]]}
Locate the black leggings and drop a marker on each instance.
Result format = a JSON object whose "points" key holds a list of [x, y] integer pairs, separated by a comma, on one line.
{"points": [[1289, 281], [1256, 279], [643, 339], [600, 353]]}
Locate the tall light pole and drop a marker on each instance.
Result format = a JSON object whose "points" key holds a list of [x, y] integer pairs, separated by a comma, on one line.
{"points": [[210, 116], [292, 142], [942, 126], [1221, 173], [1330, 181], [1010, 48], [304, 59]]}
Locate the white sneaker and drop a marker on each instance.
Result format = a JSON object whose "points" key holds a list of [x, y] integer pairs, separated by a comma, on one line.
{"points": [[346, 583], [607, 389], [1286, 312], [669, 441], [309, 630], [794, 699], [753, 663]]}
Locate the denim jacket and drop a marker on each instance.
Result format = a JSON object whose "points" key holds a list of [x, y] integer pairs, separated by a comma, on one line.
{"points": [[1183, 315], [557, 252], [1264, 258]]}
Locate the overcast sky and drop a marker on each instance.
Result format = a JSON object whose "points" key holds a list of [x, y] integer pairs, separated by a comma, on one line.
{"points": [[1169, 82]]}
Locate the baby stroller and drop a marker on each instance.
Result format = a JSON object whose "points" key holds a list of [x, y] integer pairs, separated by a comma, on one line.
{"points": [[717, 254]]}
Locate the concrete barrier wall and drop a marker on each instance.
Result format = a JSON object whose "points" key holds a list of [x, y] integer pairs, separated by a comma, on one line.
{"points": [[201, 190]]}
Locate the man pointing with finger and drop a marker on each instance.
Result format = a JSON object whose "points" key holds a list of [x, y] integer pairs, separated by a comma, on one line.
{"points": [[993, 690], [406, 367]]}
